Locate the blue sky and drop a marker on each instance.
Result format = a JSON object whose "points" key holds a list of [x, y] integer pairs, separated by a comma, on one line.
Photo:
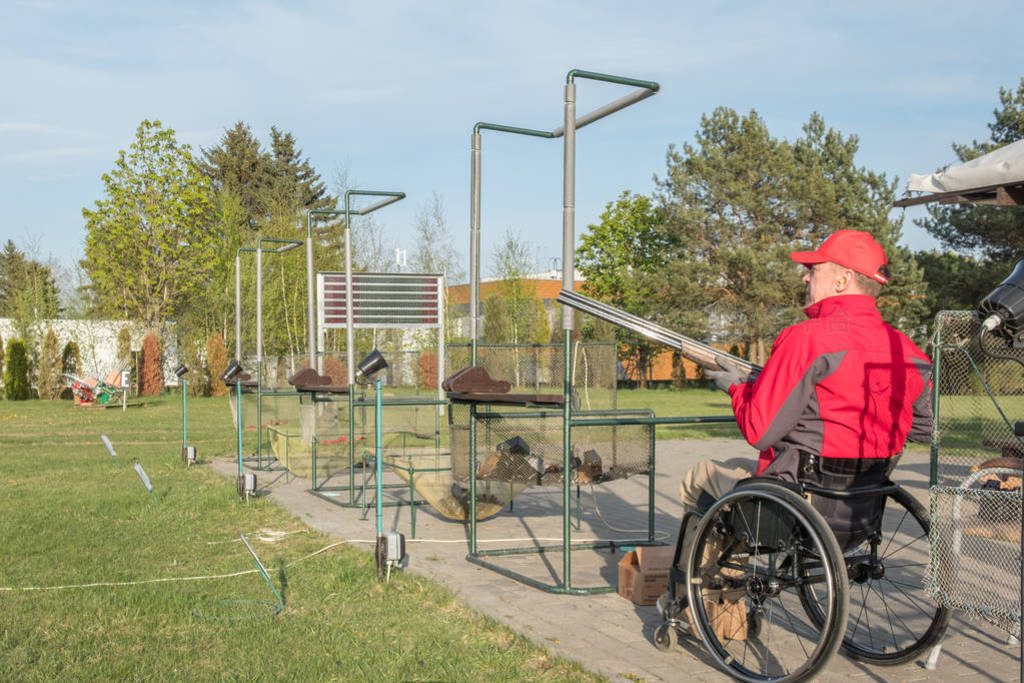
{"points": [[389, 92]]}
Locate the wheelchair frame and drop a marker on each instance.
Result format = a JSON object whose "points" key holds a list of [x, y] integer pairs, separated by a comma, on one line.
{"points": [[763, 555]]}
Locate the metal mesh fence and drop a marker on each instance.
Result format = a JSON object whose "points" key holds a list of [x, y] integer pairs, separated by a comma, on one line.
{"points": [[539, 368], [976, 552], [976, 472], [520, 447]]}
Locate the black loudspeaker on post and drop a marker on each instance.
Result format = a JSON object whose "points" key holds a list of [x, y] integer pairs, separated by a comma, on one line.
{"points": [[369, 366]]}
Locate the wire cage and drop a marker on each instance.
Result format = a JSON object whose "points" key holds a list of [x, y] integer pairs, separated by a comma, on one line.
{"points": [[538, 368], [976, 473]]}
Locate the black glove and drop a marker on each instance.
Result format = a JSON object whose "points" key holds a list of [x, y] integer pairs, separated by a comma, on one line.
{"points": [[728, 376]]}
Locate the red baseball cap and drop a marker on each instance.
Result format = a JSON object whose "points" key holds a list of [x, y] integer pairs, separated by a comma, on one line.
{"points": [[853, 249]]}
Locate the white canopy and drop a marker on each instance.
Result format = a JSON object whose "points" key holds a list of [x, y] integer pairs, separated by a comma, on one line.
{"points": [[1003, 166]]}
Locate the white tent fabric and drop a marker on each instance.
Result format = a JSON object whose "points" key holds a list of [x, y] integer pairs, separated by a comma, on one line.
{"points": [[1003, 166]]}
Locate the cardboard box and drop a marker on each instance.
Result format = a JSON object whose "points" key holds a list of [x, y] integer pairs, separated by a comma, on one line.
{"points": [[643, 573]]}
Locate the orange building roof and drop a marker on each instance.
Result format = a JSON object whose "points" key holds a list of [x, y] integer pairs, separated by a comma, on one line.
{"points": [[547, 290]]}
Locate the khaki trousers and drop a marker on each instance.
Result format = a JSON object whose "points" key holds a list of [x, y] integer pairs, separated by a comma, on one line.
{"points": [[715, 479]]}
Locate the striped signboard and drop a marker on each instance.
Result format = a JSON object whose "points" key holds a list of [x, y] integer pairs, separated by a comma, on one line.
{"points": [[379, 300]]}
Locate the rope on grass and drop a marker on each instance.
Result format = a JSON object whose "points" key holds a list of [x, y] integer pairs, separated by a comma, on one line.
{"points": [[331, 546]]}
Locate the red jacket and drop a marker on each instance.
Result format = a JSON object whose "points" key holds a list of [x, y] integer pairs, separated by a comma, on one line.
{"points": [[842, 384]]}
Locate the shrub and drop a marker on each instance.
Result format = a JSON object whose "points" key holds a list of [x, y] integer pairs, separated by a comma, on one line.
{"points": [[70, 359], [216, 363], [70, 364], [16, 371], [1, 354], [150, 373], [49, 382], [197, 383]]}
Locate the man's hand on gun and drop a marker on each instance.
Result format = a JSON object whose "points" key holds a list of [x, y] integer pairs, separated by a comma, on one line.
{"points": [[729, 374]]}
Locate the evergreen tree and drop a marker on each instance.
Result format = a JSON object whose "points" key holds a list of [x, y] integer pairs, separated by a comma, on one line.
{"points": [[996, 232], [16, 387], [49, 382], [739, 200], [240, 167]]}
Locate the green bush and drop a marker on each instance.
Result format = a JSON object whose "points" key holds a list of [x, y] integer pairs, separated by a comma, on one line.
{"points": [[16, 373], [70, 359], [49, 382], [216, 363]]}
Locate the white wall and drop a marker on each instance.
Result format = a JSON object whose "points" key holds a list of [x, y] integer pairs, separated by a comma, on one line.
{"points": [[97, 343]]}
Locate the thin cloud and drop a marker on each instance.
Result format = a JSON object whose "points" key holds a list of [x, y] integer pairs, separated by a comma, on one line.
{"points": [[50, 153]]}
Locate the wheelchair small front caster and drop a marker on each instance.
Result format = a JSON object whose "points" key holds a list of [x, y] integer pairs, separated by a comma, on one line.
{"points": [[664, 637]]}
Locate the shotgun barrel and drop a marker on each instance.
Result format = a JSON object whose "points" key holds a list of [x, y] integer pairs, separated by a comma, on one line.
{"points": [[699, 352]]}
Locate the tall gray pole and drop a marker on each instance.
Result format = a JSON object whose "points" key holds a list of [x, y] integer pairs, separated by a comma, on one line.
{"points": [[238, 307], [350, 352], [569, 201], [474, 245], [568, 271], [259, 308], [310, 305]]}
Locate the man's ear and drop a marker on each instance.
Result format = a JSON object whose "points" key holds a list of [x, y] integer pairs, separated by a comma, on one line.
{"points": [[844, 280]]}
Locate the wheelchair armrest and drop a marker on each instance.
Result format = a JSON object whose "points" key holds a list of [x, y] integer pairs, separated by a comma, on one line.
{"points": [[801, 488], [883, 489]]}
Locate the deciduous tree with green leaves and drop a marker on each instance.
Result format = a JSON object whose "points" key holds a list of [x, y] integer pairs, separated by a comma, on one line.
{"points": [[613, 257], [150, 241]]}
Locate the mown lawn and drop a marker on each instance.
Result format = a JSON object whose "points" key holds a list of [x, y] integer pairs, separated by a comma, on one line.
{"points": [[98, 580]]}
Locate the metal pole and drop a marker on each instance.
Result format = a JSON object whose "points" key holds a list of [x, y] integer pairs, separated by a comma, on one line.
{"points": [[238, 421], [310, 304], [440, 346], [568, 270], [184, 414], [238, 305], [474, 244], [350, 353], [259, 353], [378, 468]]}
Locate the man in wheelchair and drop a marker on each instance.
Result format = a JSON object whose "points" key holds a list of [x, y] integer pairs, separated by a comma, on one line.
{"points": [[842, 391], [838, 398]]}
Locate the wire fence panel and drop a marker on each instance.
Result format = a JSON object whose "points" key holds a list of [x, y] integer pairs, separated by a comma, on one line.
{"points": [[539, 368], [976, 472]]}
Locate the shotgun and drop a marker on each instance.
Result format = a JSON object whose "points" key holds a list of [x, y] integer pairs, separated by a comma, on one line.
{"points": [[699, 352]]}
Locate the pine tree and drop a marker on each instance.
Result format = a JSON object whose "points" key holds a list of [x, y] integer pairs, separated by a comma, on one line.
{"points": [[71, 359], [16, 386], [49, 382]]}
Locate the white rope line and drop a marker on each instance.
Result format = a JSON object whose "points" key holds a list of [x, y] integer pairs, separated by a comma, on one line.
{"points": [[109, 584], [117, 584]]}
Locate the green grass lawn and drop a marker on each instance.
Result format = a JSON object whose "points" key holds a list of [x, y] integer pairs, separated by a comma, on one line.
{"points": [[112, 566]]}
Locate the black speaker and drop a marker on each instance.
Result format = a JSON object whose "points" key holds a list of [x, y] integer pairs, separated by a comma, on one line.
{"points": [[369, 366]]}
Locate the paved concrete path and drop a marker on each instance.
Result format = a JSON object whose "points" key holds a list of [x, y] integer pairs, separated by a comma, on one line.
{"points": [[606, 633]]}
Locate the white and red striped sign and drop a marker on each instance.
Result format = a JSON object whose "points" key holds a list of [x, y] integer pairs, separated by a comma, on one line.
{"points": [[399, 300]]}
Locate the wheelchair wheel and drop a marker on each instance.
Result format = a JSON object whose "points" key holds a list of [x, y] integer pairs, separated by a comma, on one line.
{"points": [[752, 551], [891, 618]]}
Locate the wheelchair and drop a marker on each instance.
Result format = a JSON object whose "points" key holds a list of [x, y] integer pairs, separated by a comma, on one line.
{"points": [[773, 590]]}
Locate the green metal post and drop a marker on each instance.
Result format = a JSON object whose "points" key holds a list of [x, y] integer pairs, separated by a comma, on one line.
{"points": [[184, 415], [238, 408], [933, 472], [472, 479], [378, 466]]}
